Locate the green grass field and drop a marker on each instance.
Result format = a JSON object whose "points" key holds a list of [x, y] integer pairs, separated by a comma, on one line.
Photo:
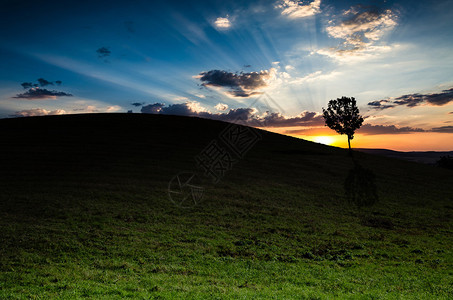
{"points": [[84, 213]]}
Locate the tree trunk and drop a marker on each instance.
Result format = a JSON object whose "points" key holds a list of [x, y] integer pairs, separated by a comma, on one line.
{"points": [[349, 144]]}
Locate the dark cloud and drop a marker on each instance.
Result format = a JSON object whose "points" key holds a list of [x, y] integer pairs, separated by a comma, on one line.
{"points": [[41, 82], [137, 104], [450, 113], [369, 129], [152, 108], [247, 116], [440, 99], [28, 85], [304, 119], [239, 84], [381, 104], [103, 52], [413, 100], [443, 129], [40, 94], [247, 66], [409, 100], [44, 82]]}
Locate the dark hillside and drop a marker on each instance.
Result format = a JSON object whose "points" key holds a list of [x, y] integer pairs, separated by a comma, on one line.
{"points": [[84, 212]]}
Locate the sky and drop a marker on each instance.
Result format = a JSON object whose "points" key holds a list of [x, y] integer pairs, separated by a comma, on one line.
{"points": [[271, 64]]}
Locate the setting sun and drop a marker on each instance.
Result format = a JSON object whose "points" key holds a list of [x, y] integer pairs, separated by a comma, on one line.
{"points": [[326, 140]]}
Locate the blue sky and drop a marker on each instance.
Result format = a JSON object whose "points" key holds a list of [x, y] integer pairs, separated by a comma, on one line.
{"points": [[395, 55]]}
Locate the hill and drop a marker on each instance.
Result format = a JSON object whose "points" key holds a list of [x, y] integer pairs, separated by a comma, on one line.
{"points": [[85, 212], [425, 157]]}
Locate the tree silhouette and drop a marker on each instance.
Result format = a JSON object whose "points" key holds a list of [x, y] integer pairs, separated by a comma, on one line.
{"points": [[342, 115]]}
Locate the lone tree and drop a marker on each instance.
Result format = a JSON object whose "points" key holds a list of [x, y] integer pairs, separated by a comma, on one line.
{"points": [[342, 115]]}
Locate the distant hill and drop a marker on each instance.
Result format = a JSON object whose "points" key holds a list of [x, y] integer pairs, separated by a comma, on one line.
{"points": [[86, 212], [426, 157]]}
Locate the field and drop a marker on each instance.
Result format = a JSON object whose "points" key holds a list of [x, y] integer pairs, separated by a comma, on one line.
{"points": [[85, 213]]}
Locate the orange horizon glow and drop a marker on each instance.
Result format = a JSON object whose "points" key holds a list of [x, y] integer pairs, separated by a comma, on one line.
{"points": [[397, 142], [419, 141]]}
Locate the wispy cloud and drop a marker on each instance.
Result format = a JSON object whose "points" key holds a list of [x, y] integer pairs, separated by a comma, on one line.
{"points": [[360, 28], [37, 112], [413, 100], [113, 108], [97, 109], [299, 9], [443, 129], [369, 129], [103, 52]]}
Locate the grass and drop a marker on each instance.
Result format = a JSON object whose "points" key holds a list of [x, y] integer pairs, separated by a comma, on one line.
{"points": [[84, 213]]}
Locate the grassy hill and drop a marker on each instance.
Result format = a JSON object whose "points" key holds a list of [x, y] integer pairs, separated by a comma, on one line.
{"points": [[85, 212], [425, 157]]}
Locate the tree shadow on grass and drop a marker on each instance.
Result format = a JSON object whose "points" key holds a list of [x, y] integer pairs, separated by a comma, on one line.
{"points": [[360, 186]]}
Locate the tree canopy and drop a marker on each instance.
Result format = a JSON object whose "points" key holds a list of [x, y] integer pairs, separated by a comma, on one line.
{"points": [[342, 115]]}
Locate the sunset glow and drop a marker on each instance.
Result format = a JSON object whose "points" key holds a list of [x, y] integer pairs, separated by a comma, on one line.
{"points": [[270, 62], [326, 140]]}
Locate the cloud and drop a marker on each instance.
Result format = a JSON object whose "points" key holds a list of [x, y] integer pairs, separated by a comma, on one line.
{"points": [[450, 113], [294, 9], [360, 30], [103, 52], [44, 82], [137, 104], [95, 109], [222, 23], [413, 100], [443, 129], [41, 94], [439, 99], [247, 116], [381, 104], [37, 112], [155, 108], [221, 107], [113, 108], [28, 85], [239, 84], [87, 109], [305, 118], [369, 129]]}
